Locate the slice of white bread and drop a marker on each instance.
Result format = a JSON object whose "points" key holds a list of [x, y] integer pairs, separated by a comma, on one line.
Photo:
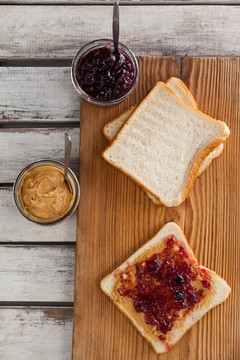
{"points": [[208, 159], [180, 89], [163, 144], [111, 129], [218, 293]]}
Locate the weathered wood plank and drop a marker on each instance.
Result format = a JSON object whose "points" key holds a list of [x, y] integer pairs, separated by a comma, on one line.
{"points": [[19, 147], [39, 334], [58, 32], [128, 2], [38, 94], [37, 273], [13, 225]]}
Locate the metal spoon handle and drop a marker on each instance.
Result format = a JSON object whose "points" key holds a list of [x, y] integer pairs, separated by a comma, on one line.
{"points": [[68, 148], [116, 25]]}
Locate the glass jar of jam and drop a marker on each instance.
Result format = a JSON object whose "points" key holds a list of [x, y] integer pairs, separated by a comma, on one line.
{"points": [[102, 76]]}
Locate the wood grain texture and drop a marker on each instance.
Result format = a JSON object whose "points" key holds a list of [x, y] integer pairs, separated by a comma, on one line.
{"points": [[115, 218], [37, 273], [20, 147], [212, 210], [13, 225], [39, 334], [128, 2], [57, 32], [37, 94]]}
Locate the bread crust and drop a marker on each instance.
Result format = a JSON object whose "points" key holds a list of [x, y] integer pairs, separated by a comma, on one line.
{"points": [[214, 154], [170, 80], [195, 168], [112, 121], [193, 174], [181, 83], [197, 162], [218, 283]]}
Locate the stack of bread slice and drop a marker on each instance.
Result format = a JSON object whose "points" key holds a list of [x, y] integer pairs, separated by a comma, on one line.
{"points": [[152, 299], [165, 142]]}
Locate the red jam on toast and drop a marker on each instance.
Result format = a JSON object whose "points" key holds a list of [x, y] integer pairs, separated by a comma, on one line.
{"points": [[165, 286]]}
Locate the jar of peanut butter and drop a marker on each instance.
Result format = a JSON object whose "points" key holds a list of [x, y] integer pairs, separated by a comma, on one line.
{"points": [[42, 195]]}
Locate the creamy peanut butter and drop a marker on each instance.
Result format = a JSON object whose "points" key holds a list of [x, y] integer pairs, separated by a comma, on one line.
{"points": [[44, 194]]}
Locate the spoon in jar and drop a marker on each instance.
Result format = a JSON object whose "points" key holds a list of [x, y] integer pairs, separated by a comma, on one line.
{"points": [[68, 148], [116, 26]]}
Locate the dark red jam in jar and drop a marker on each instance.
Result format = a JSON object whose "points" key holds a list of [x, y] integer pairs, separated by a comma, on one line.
{"points": [[104, 75], [164, 285]]}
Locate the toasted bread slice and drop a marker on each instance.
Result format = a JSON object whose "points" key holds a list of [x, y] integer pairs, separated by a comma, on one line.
{"points": [[179, 88], [163, 144], [209, 294]]}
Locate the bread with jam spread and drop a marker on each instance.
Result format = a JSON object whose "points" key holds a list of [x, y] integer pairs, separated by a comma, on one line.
{"points": [[163, 144], [162, 289]]}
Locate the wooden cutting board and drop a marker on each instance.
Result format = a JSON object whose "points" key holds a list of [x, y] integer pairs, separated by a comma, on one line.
{"points": [[116, 217]]}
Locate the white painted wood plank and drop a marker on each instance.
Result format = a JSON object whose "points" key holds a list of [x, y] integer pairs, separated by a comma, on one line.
{"points": [[39, 334], [15, 228], [129, 2], [37, 273], [19, 147], [59, 31], [38, 94]]}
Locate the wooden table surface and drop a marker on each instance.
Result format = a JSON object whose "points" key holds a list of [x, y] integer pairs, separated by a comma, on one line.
{"points": [[38, 39]]}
